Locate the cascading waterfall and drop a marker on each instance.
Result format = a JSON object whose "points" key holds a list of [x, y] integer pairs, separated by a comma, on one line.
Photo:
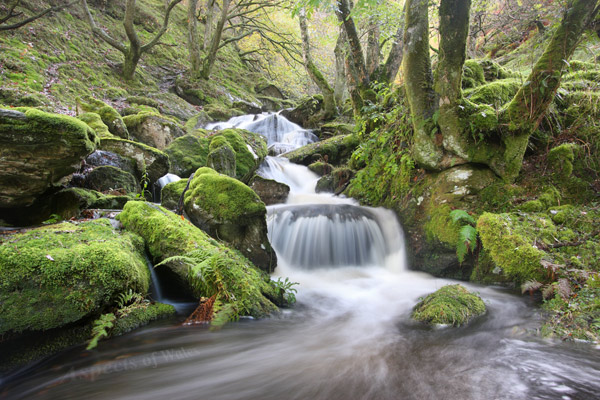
{"points": [[350, 337], [161, 183]]}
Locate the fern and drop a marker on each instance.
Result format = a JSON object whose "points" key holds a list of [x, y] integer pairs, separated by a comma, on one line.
{"points": [[461, 216], [467, 240], [530, 286], [101, 329]]}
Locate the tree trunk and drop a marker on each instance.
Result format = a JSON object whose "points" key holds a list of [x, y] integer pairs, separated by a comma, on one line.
{"points": [[373, 49], [387, 72], [340, 52], [210, 58], [454, 29], [427, 149], [193, 45], [132, 57], [211, 11], [314, 73]]}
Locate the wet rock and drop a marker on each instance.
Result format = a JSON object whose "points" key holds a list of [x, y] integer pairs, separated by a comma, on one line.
{"points": [[110, 117], [269, 190], [303, 113], [171, 193], [39, 151], [108, 178], [338, 150], [222, 160]]}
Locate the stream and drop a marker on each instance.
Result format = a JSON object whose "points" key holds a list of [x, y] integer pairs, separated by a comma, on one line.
{"points": [[349, 336]]}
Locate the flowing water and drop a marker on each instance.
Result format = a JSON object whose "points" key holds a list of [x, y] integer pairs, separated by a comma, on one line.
{"points": [[350, 335]]}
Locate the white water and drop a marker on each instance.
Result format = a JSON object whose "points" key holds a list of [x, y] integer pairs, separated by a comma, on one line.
{"points": [[350, 335]]}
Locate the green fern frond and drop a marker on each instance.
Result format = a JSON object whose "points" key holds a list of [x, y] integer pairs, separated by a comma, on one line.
{"points": [[467, 240], [461, 216]]}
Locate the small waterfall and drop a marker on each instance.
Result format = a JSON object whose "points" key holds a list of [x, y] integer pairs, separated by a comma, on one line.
{"points": [[155, 289], [281, 134], [161, 183], [311, 236], [299, 178]]}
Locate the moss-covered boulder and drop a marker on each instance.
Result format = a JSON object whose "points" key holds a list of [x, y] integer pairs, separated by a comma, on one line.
{"points": [[108, 178], [150, 162], [334, 128], [204, 266], [321, 168], [222, 157], [229, 210], [303, 114], [473, 75], [94, 121], [190, 152], [60, 274], [451, 305], [153, 129], [497, 93], [38, 151], [197, 121], [336, 181], [101, 158], [336, 151], [269, 190], [110, 117], [560, 160], [171, 193]]}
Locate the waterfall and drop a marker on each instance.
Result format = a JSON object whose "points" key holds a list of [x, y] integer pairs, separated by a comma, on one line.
{"points": [[161, 183], [282, 135], [155, 288]]}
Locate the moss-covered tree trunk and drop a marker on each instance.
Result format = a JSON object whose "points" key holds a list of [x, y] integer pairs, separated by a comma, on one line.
{"points": [[193, 43], [373, 49], [317, 77], [387, 71], [454, 29], [427, 149], [340, 67]]}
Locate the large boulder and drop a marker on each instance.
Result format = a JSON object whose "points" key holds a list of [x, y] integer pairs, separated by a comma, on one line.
{"points": [[153, 129], [229, 210], [188, 153], [110, 117], [64, 273], [150, 163], [107, 178], [204, 266], [38, 151], [171, 193], [305, 112]]}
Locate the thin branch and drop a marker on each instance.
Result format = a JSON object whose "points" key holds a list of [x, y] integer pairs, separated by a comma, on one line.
{"points": [[31, 19], [100, 33]]}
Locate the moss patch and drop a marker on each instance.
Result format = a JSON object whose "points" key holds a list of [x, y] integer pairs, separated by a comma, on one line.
{"points": [[62, 273], [451, 305], [171, 193]]}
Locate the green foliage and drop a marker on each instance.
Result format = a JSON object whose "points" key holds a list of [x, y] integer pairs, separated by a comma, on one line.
{"points": [[287, 287], [383, 155], [54, 218], [450, 305], [101, 329], [467, 241], [461, 216]]}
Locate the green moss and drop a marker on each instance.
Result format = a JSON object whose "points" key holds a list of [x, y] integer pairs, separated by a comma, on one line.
{"points": [[509, 249], [188, 153], [207, 267], [495, 94], [94, 121], [472, 74], [111, 118], [197, 121], [560, 160], [148, 160], [440, 227], [320, 168], [171, 193], [143, 101], [224, 198], [450, 305], [499, 196], [59, 274], [134, 317], [245, 162], [550, 197], [532, 206]]}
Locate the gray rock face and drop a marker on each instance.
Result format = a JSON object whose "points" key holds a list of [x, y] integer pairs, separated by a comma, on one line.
{"points": [[153, 130], [108, 178], [38, 151], [147, 160], [269, 191]]}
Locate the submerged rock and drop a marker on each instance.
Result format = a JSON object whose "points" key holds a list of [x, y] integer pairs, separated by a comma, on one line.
{"points": [[39, 151], [451, 305], [231, 211], [56, 275]]}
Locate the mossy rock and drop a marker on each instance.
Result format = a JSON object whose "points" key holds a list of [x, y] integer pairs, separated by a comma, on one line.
{"points": [[219, 112], [473, 75], [171, 193], [39, 150], [198, 121], [336, 181], [334, 128], [205, 267], [100, 158], [94, 121], [65, 272], [320, 168], [140, 316], [110, 117], [153, 129], [108, 178], [560, 160], [338, 150], [227, 209], [150, 162], [451, 305], [510, 249], [222, 159], [303, 114], [496, 94], [188, 153]]}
